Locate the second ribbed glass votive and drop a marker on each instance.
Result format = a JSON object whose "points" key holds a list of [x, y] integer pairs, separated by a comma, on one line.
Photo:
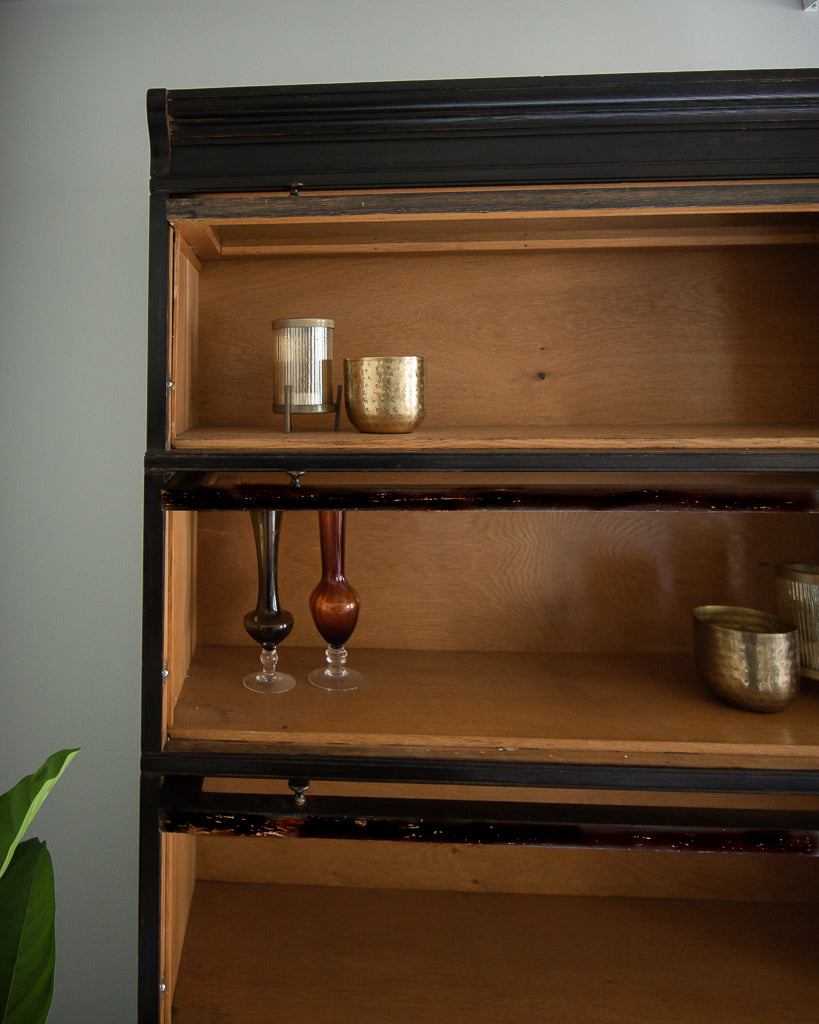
{"points": [[797, 599]]}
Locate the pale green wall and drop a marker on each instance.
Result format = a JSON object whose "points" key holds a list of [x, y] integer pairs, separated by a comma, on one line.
{"points": [[73, 215]]}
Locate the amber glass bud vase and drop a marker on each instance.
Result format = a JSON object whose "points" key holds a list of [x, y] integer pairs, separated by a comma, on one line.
{"points": [[334, 606], [268, 623]]}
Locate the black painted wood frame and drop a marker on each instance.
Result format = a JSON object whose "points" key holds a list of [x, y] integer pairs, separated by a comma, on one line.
{"points": [[642, 127], [714, 126], [683, 127]]}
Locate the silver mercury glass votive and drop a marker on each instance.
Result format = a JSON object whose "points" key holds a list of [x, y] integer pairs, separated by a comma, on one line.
{"points": [[303, 362]]}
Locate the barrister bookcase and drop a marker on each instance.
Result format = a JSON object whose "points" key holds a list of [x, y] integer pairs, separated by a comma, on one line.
{"points": [[533, 810]]}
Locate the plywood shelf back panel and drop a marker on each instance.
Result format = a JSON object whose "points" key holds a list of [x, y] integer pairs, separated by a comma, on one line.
{"points": [[412, 957], [528, 342]]}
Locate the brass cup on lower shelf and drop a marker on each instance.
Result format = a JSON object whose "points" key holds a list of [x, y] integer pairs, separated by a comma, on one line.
{"points": [[747, 658], [385, 394]]}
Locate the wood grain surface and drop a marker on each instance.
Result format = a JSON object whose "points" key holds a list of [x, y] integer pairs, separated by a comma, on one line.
{"points": [[549, 871], [495, 580], [628, 709], [639, 337], [335, 956]]}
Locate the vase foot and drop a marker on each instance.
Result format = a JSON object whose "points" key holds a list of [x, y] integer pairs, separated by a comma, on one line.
{"points": [[269, 682], [329, 679]]}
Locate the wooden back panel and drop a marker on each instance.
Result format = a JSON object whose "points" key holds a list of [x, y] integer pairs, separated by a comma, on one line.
{"points": [[528, 581], [584, 336], [550, 870]]}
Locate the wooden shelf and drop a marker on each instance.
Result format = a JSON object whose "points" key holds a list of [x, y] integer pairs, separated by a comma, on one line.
{"points": [[723, 448], [342, 956], [576, 708], [591, 351], [726, 438]]}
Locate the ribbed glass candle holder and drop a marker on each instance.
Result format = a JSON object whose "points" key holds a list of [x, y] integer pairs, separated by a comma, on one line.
{"points": [[797, 598], [303, 361]]}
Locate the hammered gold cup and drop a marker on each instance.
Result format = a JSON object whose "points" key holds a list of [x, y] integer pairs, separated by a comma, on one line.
{"points": [[385, 394], [747, 658]]}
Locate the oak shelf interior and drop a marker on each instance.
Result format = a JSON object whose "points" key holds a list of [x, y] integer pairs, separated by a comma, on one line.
{"points": [[341, 956], [580, 708], [639, 348], [671, 326]]}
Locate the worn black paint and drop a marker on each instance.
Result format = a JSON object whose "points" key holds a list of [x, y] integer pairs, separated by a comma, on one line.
{"points": [[186, 808], [153, 613], [640, 127], [490, 460], [690, 197], [189, 758], [480, 833], [196, 492], [150, 901]]}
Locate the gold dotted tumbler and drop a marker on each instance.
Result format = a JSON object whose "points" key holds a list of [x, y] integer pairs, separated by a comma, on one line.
{"points": [[385, 394]]}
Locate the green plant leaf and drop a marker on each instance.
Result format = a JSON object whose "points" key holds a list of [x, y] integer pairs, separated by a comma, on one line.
{"points": [[19, 805], [27, 935]]}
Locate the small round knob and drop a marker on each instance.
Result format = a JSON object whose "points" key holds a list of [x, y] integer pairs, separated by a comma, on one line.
{"points": [[299, 787]]}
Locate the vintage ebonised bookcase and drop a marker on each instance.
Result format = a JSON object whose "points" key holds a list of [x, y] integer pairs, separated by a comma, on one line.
{"points": [[533, 811]]}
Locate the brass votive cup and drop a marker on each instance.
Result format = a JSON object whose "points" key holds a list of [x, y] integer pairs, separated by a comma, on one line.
{"points": [[385, 394], [747, 658]]}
